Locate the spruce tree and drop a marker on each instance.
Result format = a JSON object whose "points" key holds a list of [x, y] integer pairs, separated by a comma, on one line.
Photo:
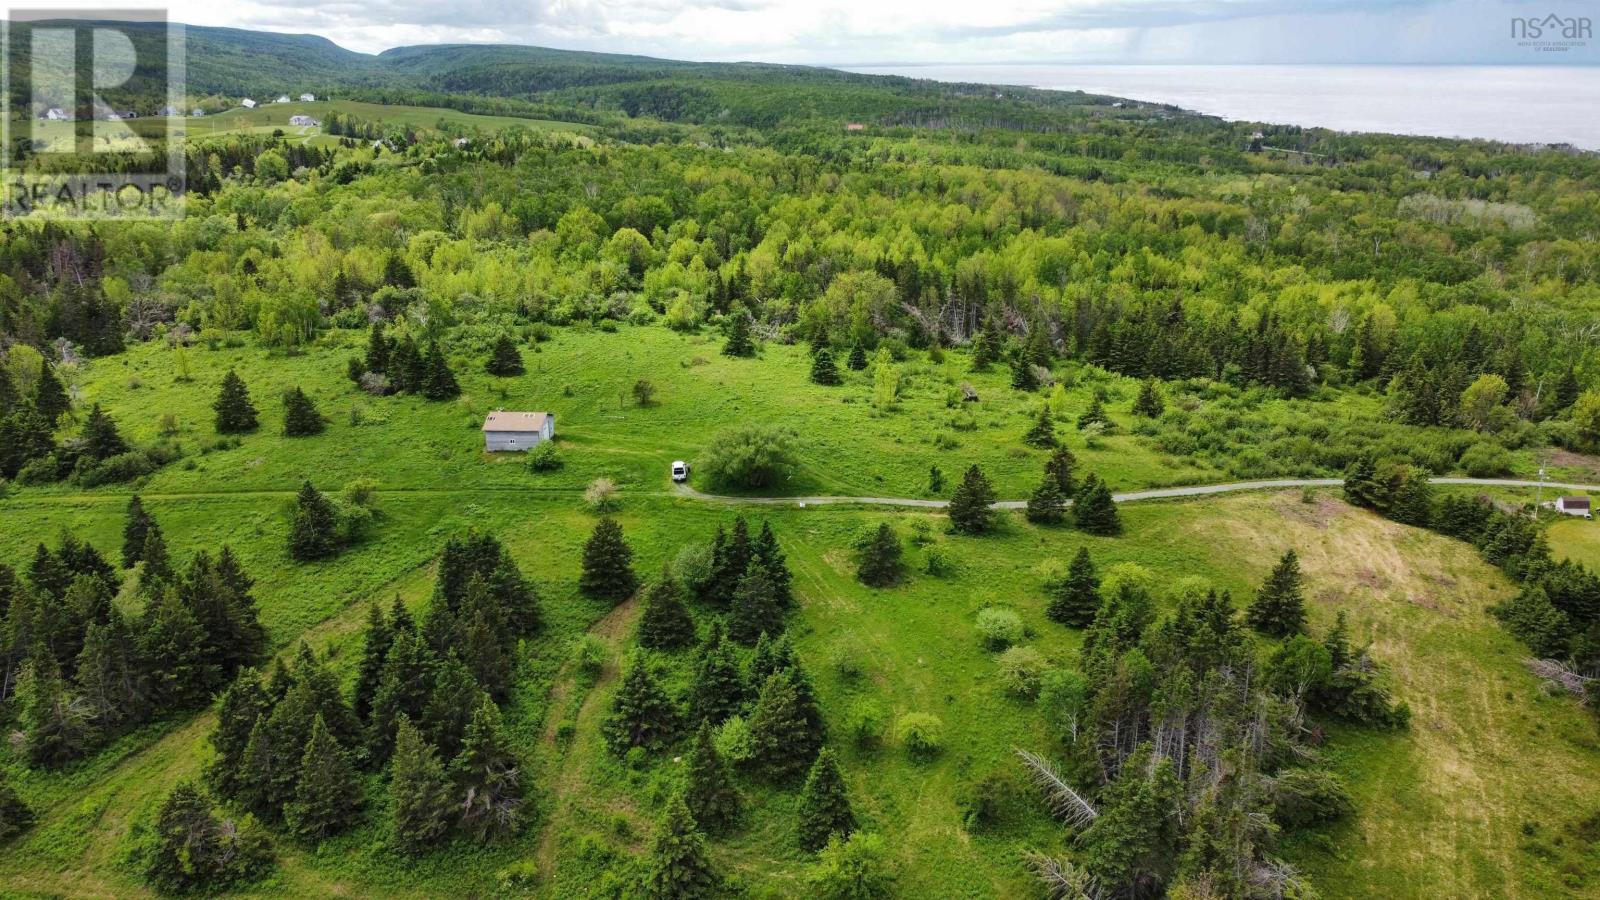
{"points": [[824, 808], [1076, 599], [15, 815], [327, 797], [438, 382], [456, 694], [1046, 505], [880, 559], [679, 868], [986, 349], [195, 852], [730, 560], [300, 415], [183, 672], [739, 342], [665, 622], [111, 674], [407, 373], [858, 358], [375, 646], [235, 413], [642, 715], [50, 399], [969, 508], [1043, 432], [423, 806], [55, 727], [608, 564], [1094, 510], [483, 649], [766, 554], [378, 346], [241, 705], [1149, 403], [101, 440], [1279, 607], [755, 609], [823, 370], [157, 562], [1095, 414], [405, 688], [718, 690], [784, 740], [1023, 377], [133, 530], [504, 361], [708, 790], [1061, 467], [488, 777], [313, 533], [10, 398]]}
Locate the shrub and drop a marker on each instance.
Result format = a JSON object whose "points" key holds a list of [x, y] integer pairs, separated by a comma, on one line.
{"points": [[1000, 627], [864, 724], [922, 734], [733, 741], [853, 869], [589, 657], [601, 495], [1305, 797], [990, 802], [1486, 460], [1021, 669], [748, 456], [544, 457]]}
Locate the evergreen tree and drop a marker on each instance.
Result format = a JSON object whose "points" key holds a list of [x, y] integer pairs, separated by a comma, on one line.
{"points": [[730, 560], [438, 382], [235, 413], [404, 689], [407, 372], [768, 556], [183, 672], [1361, 485], [1279, 607], [1149, 403], [133, 530], [1060, 466], [423, 806], [1094, 510], [15, 815], [608, 564], [242, 704], [858, 358], [1133, 842], [969, 508], [300, 415], [1076, 599], [100, 438], [456, 694], [739, 342], [314, 531], [1413, 500], [24, 436], [755, 609], [986, 349], [56, 726], [1043, 432], [679, 868], [488, 777], [1046, 505], [157, 562], [823, 370], [375, 646], [195, 852], [484, 651], [642, 715], [1023, 377], [824, 808], [718, 691], [783, 738], [50, 398], [110, 673], [1095, 414], [709, 791], [880, 559], [10, 398], [327, 797], [378, 346], [504, 361], [665, 622]]}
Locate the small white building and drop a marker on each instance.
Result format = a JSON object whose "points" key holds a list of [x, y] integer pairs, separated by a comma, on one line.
{"points": [[1574, 506], [308, 98], [517, 431], [303, 121], [247, 103], [197, 112], [57, 114], [282, 99]]}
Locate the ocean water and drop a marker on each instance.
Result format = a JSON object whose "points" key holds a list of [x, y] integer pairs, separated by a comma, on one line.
{"points": [[1520, 104]]}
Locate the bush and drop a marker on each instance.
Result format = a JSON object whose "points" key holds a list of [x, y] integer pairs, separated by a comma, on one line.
{"points": [[1000, 627], [853, 869], [748, 457], [1305, 797], [1486, 460], [589, 657], [601, 495], [733, 742], [865, 722], [544, 457], [1021, 671], [991, 802], [922, 734]]}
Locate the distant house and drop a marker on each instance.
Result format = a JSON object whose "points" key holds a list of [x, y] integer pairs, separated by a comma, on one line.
{"points": [[122, 114], [168, 111], [308, 98], [247, 103], [282, 99], [197, 112], [854, 126], [303, 120], [515, 431], [1574, 506], [57, 114]]}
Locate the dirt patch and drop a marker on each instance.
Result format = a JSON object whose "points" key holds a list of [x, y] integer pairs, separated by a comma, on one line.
{"points": [[1370, 578], [1318, 514], [1566, 459]]}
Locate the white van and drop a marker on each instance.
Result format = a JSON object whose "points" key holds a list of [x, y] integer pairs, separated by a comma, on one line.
{"points": [[680, 470]]}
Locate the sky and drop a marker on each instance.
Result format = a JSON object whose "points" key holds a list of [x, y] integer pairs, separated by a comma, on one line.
{"points": [[867, 32]]}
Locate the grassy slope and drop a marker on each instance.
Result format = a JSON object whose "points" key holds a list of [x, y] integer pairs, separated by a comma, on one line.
{"points": [[1442, 806]]}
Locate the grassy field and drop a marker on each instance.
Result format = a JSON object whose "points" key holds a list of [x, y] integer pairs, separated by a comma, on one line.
{"points": [[1486, 795], [1577, 540]]}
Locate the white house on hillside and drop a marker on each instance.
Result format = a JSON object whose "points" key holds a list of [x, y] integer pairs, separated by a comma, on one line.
{"points": [[308, 98], [1574, 506], [247, 103], [303, 121], [57, 114], [516, 431]]}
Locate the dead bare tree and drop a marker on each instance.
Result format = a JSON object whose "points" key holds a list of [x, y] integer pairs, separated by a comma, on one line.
{"points": [[1558, 674], [1065, 802], [1062, 880]]}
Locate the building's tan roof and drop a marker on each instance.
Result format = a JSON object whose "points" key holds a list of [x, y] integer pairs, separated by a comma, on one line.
{"points": [[501, 420]]}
